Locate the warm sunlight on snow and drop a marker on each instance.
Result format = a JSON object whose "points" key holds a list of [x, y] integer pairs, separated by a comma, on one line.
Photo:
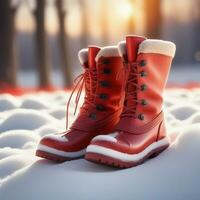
{"points": [[22, 174]]}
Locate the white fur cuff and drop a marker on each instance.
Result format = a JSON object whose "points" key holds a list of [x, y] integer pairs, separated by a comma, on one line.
{"points": [[109, 51], [83, 56], [157, 46], [122, 48]]}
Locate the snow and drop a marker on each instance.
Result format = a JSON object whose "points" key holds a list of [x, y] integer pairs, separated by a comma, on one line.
{"points": [[174, 174]]}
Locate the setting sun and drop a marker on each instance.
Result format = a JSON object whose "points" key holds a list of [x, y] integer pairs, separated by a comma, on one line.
{"points": [[125, 9]]}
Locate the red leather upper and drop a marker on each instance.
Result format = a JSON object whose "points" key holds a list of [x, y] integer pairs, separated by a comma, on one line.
{"points": [[108, 100], [147, 76], [148, 88], [92, 53], [132, 44], [130, 143], [89, 67], [102, 107], [157, 69]]}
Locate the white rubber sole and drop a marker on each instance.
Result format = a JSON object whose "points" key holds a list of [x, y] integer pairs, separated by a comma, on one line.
{"points": [[75, 154], [125, 157]]}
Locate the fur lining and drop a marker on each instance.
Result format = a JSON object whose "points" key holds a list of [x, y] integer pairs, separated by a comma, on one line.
{"points": [[83, 56], [157, 46], [55, 137], [104, 138], [109, 137], [107, 52], [122, 48]]}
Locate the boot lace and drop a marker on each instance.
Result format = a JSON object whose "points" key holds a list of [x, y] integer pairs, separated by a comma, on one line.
{"points": [[132, 87], [80, 81]]}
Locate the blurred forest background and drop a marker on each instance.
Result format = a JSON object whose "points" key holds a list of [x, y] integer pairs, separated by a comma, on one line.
{"points": [[40, 39]]}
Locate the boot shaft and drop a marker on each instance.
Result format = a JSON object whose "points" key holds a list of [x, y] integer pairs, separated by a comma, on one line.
{"points": [[149, 63], [87, 60], [154, 58], [110, 93], [106, 90]]}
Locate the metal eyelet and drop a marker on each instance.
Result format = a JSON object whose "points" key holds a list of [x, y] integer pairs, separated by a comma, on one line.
{"points": [[143, 87], [106, 71], [143, 74], [143, 63], [92, 116], [100, 107], [141, 116], [144, 102], [104, 83], [103, 96]]}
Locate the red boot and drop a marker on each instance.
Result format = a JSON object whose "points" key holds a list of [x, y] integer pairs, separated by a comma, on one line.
{"points": [[141, 132], [100, 111]]}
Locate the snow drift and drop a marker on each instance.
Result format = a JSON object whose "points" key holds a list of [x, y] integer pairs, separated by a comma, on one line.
{"points": [[174, 174]]}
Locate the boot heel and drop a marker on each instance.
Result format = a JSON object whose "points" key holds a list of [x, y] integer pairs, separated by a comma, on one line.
{"points": [[154, 155], [157, 152]]}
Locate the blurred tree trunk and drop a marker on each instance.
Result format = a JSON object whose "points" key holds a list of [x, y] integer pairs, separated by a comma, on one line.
{"points": [[7, 44], [84, 22], [104, 22], [153, 18], [131, 22], [195, 15], [41, 45], [65, 66]]}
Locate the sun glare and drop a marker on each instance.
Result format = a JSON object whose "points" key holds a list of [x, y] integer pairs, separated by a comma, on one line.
{"points": [[125, 9]]}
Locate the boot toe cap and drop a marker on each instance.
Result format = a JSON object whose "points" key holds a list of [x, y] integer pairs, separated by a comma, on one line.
{"points": [[52, 140], [107, 138]]}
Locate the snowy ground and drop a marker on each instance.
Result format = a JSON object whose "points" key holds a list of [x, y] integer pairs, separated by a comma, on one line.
{"points": [[174, 175]]}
